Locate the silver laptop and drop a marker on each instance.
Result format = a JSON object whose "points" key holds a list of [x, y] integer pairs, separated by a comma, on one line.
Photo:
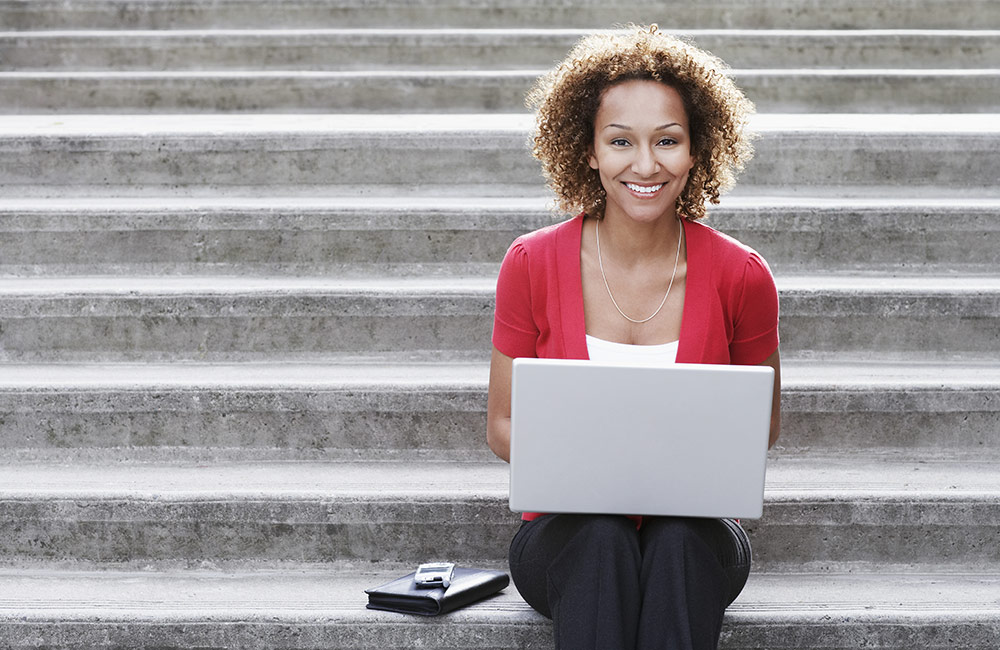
{"points": [[681, 440]]}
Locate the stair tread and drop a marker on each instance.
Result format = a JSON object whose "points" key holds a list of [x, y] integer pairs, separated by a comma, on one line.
{"points": [[472, 73], [337, 593], [458, 205], [426, 124], [590, 14], [454, 370], [502, 34], [795, 477], [114, 285]]}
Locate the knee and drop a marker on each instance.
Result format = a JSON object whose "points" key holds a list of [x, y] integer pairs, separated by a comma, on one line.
{"points": [[606, 533], [674, 532]]}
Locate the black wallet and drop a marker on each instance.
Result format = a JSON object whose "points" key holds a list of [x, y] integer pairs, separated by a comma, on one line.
{"points": [[467, 586]]}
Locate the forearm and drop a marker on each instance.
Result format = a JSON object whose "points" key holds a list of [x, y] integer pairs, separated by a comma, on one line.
{"points": [[498, 437], [498, 405], [774, 361]]}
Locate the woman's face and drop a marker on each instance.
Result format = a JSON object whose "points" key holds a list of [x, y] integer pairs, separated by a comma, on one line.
{"points": [[642, 149]]}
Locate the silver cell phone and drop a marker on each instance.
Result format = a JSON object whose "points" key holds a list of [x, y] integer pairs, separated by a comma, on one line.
{"points": [[434, 574]]}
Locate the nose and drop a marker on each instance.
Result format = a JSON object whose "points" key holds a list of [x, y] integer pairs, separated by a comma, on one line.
{"points": [[644, 162]]}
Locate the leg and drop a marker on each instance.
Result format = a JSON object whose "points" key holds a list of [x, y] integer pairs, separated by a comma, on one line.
{"points": [[582, 571], [692, 569]]}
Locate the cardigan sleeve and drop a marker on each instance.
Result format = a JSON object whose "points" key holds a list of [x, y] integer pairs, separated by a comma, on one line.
{"points": [[755, 325], [514, 331]]}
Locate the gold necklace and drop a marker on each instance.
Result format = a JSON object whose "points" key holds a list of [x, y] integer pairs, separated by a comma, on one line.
{"points": [[600, 262]]}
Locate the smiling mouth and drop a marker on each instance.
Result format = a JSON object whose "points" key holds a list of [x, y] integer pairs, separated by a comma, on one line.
{"points": [[643, 189]]}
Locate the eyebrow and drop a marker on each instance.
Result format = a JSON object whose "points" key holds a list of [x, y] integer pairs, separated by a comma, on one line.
{"points": [[628, 128]]}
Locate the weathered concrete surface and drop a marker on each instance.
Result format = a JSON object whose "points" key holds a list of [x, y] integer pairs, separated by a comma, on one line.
{"points": [[475, 49], [801, 153], [368, 408], [312, 608], [123, 319], [177, 14], [820, 510], [452, 236], [784, 91], [188, 504], [328, 236]]}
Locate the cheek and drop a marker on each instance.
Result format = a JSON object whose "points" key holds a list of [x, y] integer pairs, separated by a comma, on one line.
{"points": [[685, 163]]}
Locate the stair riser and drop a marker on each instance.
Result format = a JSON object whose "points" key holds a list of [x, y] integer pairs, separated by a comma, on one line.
{"points": [[470, 529], [282, 162], [270, 423], [251, 423], [790, 92], [210, 328], [291, 633], [839, 14], [395, 240], [345, 50], [240, 328], [749, 631], [270, 251], [903, 240], [811, 533], [856, 629]]}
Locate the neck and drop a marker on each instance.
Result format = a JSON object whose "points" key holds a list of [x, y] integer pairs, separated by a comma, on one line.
{"points": [[633, 241]]}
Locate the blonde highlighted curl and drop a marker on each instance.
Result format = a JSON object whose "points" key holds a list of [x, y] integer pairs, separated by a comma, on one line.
{"points": [[566, 100]]}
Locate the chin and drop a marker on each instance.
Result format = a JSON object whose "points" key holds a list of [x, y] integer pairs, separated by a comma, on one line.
{"points": [[650, 215]]}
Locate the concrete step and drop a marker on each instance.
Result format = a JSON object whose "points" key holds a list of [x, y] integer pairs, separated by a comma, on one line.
{"points": [[464, 91], [357, 409], [822, 512], [323, 607], [458, 155], [473, 49], [330, 236], [451, 236], [770, 14], [311, 319]]}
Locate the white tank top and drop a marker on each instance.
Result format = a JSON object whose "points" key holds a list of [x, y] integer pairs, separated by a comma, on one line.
{"points": [[626, 354]]}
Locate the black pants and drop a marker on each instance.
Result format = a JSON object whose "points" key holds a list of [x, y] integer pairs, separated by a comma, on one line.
{"points": [[608, 586]]}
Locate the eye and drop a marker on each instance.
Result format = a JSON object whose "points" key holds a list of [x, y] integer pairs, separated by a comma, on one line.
{"points": [[620, 142], [666, 142]]}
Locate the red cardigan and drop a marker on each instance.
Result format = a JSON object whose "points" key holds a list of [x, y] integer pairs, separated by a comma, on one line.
{"points": [[730, 302]]}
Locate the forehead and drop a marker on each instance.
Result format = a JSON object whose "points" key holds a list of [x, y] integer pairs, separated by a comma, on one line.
{"points": [[638, 102]]}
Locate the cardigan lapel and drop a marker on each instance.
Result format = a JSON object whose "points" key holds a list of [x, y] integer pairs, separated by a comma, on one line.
{"points": [[691, 347], [574, 325]]}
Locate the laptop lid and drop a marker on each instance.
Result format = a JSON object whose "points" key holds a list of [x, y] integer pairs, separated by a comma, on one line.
{"points": [[679, 440]]}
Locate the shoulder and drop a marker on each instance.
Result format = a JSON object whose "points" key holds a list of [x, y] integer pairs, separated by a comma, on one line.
{"points": [[546, 239], [539, 251], [733, 263], [536, 252], [722, 246]]}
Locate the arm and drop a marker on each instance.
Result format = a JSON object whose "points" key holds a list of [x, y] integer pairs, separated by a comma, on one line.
{"points": [[498, 405], [514, 330], [756, 329], [775, 362]]}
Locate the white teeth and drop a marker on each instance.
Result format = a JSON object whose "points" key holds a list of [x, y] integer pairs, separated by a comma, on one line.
{"points": [[643, 190]]}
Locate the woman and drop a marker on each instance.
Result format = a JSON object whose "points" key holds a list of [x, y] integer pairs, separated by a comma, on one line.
{"points": [[635, 132]]}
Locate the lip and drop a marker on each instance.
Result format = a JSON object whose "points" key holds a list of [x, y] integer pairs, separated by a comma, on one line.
{"points": [[643, 195]]}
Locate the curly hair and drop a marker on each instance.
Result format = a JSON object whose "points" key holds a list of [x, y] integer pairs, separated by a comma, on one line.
{"points": [[567, 99]]}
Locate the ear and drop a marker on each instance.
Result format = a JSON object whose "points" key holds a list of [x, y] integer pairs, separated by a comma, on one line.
{"points": [[592, 159]]}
